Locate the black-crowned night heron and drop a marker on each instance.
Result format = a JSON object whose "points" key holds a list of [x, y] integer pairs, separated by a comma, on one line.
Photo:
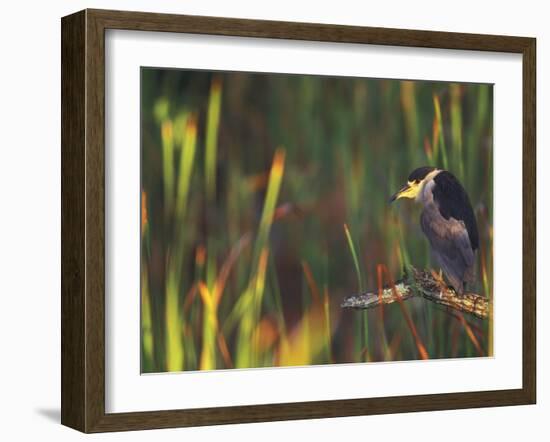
{"points": [[447, 220]]}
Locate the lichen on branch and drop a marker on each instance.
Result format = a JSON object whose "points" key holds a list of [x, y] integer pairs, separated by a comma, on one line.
{"points": [[421, 283]]}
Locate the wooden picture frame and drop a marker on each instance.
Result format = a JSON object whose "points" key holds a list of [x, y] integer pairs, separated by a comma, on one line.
{"points": [[83, 220]]}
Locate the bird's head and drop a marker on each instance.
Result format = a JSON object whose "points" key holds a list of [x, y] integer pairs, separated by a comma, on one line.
{"points": [[415, 183]]}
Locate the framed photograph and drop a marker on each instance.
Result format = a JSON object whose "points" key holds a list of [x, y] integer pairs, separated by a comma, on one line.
{"points": [[268, 220]]}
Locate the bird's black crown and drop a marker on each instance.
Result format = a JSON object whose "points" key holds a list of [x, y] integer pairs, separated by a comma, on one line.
{"points": [[420, 173]]}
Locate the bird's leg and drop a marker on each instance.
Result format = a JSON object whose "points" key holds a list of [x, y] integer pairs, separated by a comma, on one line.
{"points": [[438, 278]]}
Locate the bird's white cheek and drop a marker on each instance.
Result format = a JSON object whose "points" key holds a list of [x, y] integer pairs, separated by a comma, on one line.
{"points": [[419, 198]]}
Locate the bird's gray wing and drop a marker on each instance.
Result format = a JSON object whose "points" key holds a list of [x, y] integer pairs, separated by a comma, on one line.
{"points": [[451, 246]]}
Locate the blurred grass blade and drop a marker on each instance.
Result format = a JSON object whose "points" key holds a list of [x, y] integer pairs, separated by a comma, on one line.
{"points": [[211, 301], [209, 329], [174, 320], [311, 283], [456, 128], [168, 164], [224, 350], [355, 259], [422, 352], [247, 343], [251, 316], [210, 169], [212, 126], [328, 330], [144, 215], [161, 110], [438, 122], [408, 102], [146, 322], [270, 202], [174, 326], [362, 323], [186, 167], [258, 296]]}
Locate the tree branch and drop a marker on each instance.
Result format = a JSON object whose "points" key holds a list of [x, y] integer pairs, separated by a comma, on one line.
{"points": [[421, 283]]}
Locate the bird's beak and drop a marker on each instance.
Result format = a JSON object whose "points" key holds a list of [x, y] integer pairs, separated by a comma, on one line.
{"points": [[399, 193]]}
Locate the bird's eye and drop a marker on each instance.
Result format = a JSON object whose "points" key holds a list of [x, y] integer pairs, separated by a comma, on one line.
{"points": [[416, 181]]}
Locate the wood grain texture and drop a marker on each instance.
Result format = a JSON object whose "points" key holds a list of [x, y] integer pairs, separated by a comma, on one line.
{"points": [[95, 221], [144, 21], [529, 220], [83, 220], [72, 221]]}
